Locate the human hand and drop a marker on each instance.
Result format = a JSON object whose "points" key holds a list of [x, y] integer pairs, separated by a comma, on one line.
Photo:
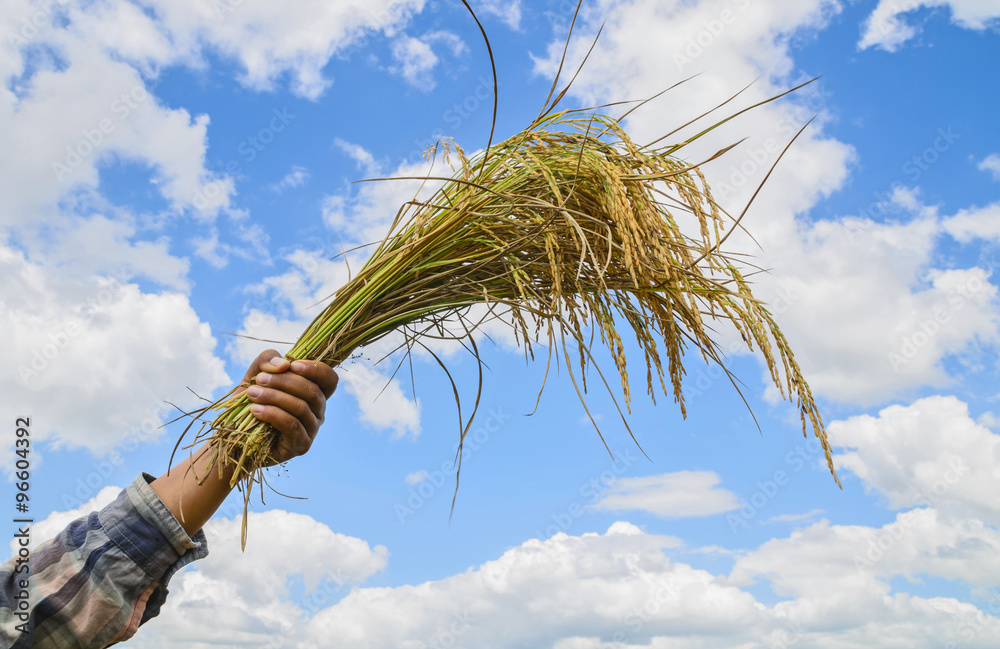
{"points": [[291, 397]]}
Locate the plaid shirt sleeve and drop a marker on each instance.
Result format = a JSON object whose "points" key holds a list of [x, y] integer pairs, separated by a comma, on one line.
{"points": [[103, 576]]}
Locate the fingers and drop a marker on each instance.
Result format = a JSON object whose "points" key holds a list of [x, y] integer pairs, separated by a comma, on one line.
{"points": [[268, 360], [291, 396], [296, 436], [319, 373], [295, 393]]}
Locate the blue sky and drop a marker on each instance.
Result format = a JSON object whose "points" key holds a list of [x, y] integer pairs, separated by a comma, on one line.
{"points": [[174, 173]]}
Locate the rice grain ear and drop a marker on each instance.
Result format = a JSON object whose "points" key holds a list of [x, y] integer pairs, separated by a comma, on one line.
{"points": [[568, 226], [573, 225]]}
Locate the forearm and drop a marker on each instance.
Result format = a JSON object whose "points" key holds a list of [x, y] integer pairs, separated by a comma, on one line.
{"points": [[193, 490], [290, 396]]}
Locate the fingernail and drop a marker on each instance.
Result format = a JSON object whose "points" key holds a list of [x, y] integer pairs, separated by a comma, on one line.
{"points": [[277, 361], [257, 409], [263, 378], [253, 392], [299, 366]]}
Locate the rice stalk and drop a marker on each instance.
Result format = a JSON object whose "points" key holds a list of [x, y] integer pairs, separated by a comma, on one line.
{"points": [[571, 229], [568, 225]]}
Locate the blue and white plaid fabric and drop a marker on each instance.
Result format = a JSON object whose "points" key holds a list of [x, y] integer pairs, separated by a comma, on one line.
{"points": [[103, 576]]}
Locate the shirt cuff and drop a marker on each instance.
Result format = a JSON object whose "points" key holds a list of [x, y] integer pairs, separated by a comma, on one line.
{"points": [[141, 525]]}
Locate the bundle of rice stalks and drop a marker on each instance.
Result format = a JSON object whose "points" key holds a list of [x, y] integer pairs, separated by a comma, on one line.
{"points": [[570, 231]]}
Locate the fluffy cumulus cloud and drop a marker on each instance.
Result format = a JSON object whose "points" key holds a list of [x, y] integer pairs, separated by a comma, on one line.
{"points": [[682, 494], [621, 587], [866, 311], [991, 164], [415, 59], [267, 40], [928, 453], [111, 352], [564, 587], [509, 11], [835, 579], [116, 118], [103, 58], [975, 223], [888, 28]]}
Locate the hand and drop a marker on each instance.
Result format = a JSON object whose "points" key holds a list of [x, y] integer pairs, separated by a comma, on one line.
{"points": [[291, 397]]}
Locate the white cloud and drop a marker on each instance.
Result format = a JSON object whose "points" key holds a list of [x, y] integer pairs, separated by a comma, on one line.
{"points": [[417, 477], [115, 119], [991, 163], [382, 401], [847, 568], [252, 245], [563, 587], [887, 28], [867, 313], [868, 316], [268, 40], [509, 11], [120, 251], [365, 160], [89, 336], [297, 177], [928, 453], [586, 591], [681, 494], [975, 223], [416, 60], [316, 546]]}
